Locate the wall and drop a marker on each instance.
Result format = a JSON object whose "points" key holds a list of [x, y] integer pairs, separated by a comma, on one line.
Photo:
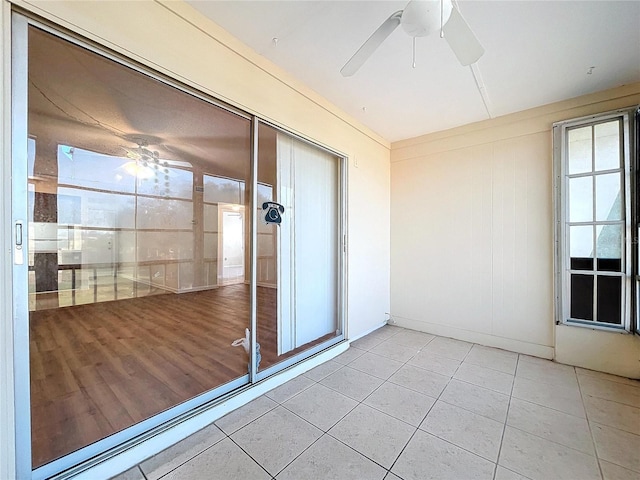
{"points": [[176, 40], [472, 237]]}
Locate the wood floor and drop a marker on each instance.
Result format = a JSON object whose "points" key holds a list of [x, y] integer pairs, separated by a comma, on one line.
{"points": [[99, 368]]}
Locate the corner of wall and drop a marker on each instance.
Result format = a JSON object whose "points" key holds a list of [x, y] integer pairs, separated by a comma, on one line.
{"points": [[603, 351]]}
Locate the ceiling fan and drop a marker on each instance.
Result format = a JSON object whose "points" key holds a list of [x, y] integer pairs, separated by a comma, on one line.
{"points": [[418, 19]]}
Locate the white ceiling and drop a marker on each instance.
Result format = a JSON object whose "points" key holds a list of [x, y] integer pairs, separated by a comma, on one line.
{"points": [[537, 52]]}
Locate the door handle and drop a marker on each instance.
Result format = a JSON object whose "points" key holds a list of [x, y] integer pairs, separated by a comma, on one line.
{"points": [[18, 234], [18, 256]]}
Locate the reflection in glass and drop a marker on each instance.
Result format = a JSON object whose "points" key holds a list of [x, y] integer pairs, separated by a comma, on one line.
{"points": [[297, 260], [581, 199], [609, 299], [607, 145], [579, 150], [609, 247], [608, 198], [127, 315], [581, 247], [582, 297]]}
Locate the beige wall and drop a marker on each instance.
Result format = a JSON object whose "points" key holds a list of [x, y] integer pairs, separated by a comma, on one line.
{"points": [[472, 237]]}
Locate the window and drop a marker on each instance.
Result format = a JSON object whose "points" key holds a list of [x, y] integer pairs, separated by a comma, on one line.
{"points": [[593, 165]]}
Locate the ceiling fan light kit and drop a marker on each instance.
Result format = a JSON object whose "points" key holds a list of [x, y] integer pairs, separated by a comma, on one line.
{"points": [[420, 18]]}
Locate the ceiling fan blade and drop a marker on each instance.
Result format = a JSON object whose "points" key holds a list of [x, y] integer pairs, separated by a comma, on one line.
{"points": [[461, 39], [370, 46]]}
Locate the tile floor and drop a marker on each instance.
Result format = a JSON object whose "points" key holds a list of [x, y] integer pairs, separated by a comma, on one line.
{"points": [[401, 404]]}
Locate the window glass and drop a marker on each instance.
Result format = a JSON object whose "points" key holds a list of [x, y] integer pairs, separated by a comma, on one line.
{"points": [[581, 199], [607, 145], [129, 317], [579, 150]]}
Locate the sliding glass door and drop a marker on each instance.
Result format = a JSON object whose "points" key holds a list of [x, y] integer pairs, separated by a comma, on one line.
{"points": [[161, 243], [299, 244], [137, 195]]}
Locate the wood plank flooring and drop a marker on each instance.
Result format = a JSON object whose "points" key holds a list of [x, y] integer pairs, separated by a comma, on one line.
{"points": [[99, 368]]}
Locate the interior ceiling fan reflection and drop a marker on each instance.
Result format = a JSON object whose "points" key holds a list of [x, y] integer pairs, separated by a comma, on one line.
{"points": [[148, 157], [419, 19], [146, 164]]}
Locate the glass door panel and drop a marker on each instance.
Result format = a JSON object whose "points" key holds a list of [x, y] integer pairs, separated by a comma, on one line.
{"points": [[298, 244], [136, 189]]}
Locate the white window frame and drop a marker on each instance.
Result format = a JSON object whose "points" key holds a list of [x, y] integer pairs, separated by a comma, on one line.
{"points": [[561, 263]]}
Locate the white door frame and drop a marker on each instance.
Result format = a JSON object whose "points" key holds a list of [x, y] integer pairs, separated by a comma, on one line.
{"points": [[237, 210]]}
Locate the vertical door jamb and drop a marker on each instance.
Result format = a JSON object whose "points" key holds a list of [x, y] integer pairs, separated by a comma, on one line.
{"points": [[20, 312], [253, 257]]}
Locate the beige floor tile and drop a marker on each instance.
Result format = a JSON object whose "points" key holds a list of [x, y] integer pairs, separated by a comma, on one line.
{"points": [[448, 347], [320, 406], [468, 430], [374, 434], [349, 356], [367, 342], [415, 378], [613, 414], [616, 472], [329, 459], [444, 461], [411, 338], [567, 400], [504, 474], [485, 377], [174, 456], [323, 370], [391, 476], [493, 358], [289, 389], [223, 461], [482, 401], [435, 363], [276, 439], [400, 402], [381, 367], [131, 474], [247, 413], [388, 331], [540, 459], [352, 383], [559, 427], [614, 391], [394, 351], [608, 376], [616, 446], [546, 371]]}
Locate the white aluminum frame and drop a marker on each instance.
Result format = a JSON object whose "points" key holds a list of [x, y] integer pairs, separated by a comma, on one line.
{"points": [[561, 237]]}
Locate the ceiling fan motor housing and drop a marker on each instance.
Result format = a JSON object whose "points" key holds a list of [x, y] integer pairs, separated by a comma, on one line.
{"points": [[421, 17]]}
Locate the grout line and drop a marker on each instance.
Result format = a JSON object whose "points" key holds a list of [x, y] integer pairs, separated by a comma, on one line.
{"points": [[586, 414], [139, 467], [248, 455], [506, 418]]}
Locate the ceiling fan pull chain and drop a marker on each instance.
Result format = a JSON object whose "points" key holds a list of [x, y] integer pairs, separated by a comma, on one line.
{"points": [[441, 18], [414, 52]]}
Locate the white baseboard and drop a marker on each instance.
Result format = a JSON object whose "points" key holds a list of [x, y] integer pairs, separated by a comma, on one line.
{"points": [[518, 346], [366, 332]]}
